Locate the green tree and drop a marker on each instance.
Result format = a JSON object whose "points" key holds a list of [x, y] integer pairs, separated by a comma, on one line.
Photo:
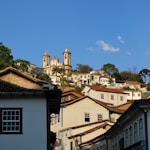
{"points": [[22, 65], [127, 75], [59, 70], [116, 75], [110, 68], [84, 68], [38, 73], [6, 59], [148, 86], [145, 73]]}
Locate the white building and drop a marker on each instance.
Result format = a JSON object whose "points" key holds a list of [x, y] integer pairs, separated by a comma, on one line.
{"points": [[130, 132], [107, 95], [82, 112], [24, 117], [72, 137], [133, 95], [92, 78]]}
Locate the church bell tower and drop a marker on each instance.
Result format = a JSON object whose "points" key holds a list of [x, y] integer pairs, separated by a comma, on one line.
{"points": [[67, 60], [45, 60]]}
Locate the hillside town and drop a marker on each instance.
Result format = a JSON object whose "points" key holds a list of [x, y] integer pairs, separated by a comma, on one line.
{"points": [[89, 120], [105, 115]]}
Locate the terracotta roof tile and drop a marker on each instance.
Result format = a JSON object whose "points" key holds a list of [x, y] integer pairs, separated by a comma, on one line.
{"points": [[92, 130], [104, 89], [9, 87], [23, 74]]}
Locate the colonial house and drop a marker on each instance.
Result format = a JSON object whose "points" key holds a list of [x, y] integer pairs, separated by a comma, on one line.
{"points": [[82, 111], [108, 95], [130, 132], [21, 79], [72, 137], [92, 78], [133, 85], [133, 94], [25, 116]]}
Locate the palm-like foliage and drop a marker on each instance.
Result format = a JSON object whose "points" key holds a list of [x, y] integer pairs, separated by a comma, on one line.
{"points": [[145, 73]]}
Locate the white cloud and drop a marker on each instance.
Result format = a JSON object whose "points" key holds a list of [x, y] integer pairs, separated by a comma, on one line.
{"points": [[120, 39], [106, 47], [148, 52], [129, 53]]}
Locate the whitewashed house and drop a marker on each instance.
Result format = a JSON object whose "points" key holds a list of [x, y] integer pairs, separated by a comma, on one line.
{"points": [[130, 132], [107, 95], [91, 78], [25, 117], [82, 111], [72, 137], [133, 95]]}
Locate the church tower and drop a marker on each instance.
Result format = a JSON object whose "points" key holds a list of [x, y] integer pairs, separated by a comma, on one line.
{"points": [[67, 60], [45, 60]]}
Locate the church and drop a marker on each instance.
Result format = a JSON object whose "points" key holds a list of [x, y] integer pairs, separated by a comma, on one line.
{"points": [[49, 63]]}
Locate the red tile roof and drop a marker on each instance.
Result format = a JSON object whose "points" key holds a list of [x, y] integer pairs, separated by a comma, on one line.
{"points": [[104, 89], [91, 130], [22, 74], [105, 105]]}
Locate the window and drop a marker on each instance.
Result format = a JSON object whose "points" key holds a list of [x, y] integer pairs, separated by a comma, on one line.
{"points": [[112, 97], [87, 117], [99, 117], [58, 118], [102, 96], [141, 129], [131, 134], [11, 120], [135, 132], [121, 98], [71, 146], [126, 137]]}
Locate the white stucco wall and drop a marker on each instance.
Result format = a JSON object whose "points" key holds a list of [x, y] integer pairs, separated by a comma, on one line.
{"points": [[79, 109], [73, 115], [134, 95], [107, 96], [34, 135]]}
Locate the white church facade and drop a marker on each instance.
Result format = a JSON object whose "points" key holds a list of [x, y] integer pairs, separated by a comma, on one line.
{"points": [[49, 63]]}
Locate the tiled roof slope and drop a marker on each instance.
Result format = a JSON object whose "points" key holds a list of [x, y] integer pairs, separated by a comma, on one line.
{"points": [[53, 96], [91, 130], [104, 89], [20, 73], [72, 93], [9, 87], [85, 125], [105, 105]]}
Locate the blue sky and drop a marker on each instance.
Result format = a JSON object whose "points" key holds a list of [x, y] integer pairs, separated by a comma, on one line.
{"points": [[95, 31]]}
